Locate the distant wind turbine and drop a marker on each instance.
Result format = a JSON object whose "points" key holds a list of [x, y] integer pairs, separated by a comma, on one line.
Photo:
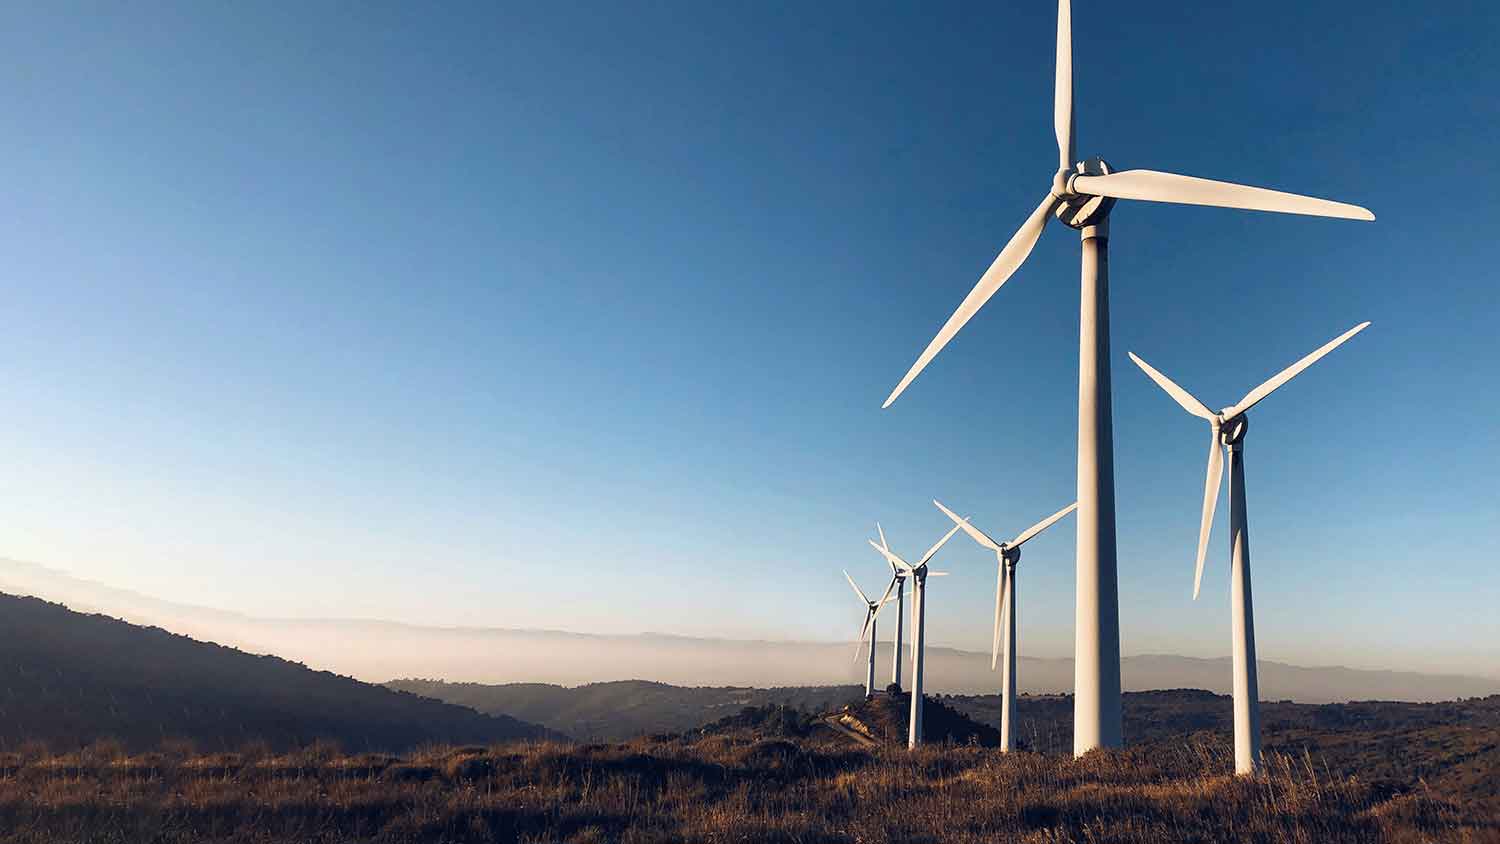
{"points": [[1081, 196], [1007, 554], [1227, 431], [899, 578], [872, 609], [919, 574]]}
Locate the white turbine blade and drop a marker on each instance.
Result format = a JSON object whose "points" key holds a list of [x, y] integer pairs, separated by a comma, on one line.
{"points": [[999, 600], [857, 590], [1285, 375], [1210, 501], [887, 597], [1006, 263], [864, 630], [1181, 396], [905, 567], [937, 574], [859, 648], [1155, 186], [939, 544], [1062, 103], [1009, 608], [881, 531], [1042, 525], [978, 535]]}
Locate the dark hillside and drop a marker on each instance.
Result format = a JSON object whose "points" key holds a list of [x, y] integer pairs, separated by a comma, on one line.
{"points": [[624, 709], [68, 679]]}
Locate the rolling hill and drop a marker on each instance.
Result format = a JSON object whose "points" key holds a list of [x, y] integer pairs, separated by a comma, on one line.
{"points": [[377, 651], [624, 709], [68, 679]]}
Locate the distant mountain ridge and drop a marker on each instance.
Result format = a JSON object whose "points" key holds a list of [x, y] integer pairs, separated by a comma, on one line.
{"points": [[377, 651], [69, 679]]}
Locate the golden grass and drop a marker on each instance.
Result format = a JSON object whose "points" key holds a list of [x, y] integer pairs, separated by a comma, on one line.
{"points": [[722, 788]]}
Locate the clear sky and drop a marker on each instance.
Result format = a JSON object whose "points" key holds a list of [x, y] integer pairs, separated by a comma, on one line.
{"points": [[580, 315]]}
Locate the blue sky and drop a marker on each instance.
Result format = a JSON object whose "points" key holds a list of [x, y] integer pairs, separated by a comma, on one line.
{"points": [[580, 315]]}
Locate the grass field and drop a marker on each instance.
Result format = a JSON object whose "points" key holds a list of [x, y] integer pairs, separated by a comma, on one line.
{"points": [[787, 781]]}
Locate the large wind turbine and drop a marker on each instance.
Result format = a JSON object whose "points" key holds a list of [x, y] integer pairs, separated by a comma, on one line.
{"points": [[918, 574], [1081, 196], [872, 609], [899, 578], [1007, 554], [1227, 430]]}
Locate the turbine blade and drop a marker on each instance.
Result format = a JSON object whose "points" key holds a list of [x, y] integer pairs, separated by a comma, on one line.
{"points": [[1155, 186], [1062, 103], [1254, 396], [999, 600], [937, 574], [890, 556], [859, 649], [1181, 396], [1006, 263], [939, 544], [1009, 607], [1210, 501], [857, 590], [978, 535], [886, 597], [1042, 525], [881, 531]]}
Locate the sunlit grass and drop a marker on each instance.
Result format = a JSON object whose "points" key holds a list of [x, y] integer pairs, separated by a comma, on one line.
{"points": [[734, 787]]}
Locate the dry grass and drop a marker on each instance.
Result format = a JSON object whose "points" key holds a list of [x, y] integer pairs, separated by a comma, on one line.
{"points": [[715, 788]]}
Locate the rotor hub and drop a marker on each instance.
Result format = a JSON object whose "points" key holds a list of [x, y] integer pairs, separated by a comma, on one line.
{"points": [[1232, 431], [1081, 210]]}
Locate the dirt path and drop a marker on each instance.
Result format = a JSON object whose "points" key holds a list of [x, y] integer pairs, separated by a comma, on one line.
{"points": [[833, 723]]}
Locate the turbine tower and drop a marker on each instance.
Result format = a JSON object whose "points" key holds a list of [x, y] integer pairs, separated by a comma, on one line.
{"points": [[1227, 431], [899, 577], [872, 609], [1081, 196], [918, 574], [1007, 554]]}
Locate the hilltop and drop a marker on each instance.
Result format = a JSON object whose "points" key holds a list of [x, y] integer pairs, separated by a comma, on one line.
{"points": [[70, 679]]}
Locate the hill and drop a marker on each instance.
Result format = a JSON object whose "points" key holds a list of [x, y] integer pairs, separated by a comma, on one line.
{"points": [[379, 650], [627, 708], [885, 719], [68, 679]]}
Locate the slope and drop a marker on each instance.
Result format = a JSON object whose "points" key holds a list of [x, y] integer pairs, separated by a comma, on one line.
{"points": [[68, 679]]}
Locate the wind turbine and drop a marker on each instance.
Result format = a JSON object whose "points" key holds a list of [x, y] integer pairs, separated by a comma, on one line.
{"points": [[1227, 430], [872, 609], [1081, 196], [899, 578], [1007, 554], [919, 574]]}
